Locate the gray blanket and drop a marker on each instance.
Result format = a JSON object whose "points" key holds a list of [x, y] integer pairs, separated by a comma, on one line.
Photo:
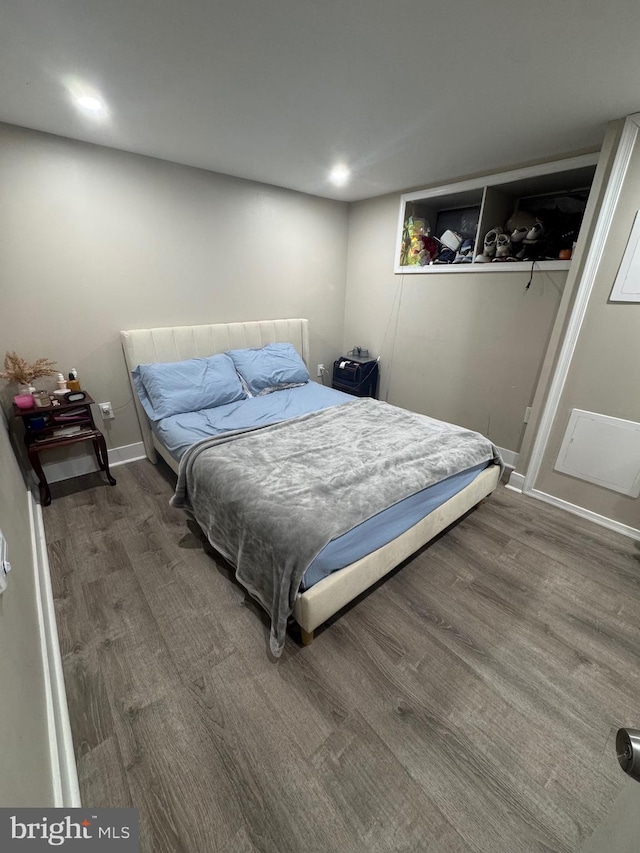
{"points": [[270, 499]]}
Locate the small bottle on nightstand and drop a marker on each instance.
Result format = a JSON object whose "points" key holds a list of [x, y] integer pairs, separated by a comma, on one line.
{"points": [[73, 383], [62, 389]]}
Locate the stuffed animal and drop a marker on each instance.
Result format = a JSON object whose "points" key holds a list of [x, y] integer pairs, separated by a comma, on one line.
{"points": [[418, 247], [424, 250], [413, 228]]}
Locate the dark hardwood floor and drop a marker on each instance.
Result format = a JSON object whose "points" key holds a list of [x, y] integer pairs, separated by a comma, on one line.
{"points": [[468, 703]]}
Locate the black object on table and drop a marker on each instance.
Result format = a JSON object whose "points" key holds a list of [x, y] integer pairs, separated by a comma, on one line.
{"points": [[356, 375]]}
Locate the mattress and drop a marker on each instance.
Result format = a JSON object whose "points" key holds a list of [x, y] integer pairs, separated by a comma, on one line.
{"points": [[385, 526], [178, 432]]}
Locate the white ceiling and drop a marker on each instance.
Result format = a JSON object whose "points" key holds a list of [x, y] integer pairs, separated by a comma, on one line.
{"points": [[405, 93]]}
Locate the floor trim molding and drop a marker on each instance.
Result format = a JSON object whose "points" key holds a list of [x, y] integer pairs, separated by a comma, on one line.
{"points": [[64, 775], [509, 457], [75, 466], [602, 520], [516, 482]]}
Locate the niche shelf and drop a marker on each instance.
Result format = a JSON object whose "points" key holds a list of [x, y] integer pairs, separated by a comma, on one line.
{"points": [[474, 207]]}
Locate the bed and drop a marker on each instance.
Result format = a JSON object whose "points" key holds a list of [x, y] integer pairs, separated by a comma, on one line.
{"points": [[236, 437]]}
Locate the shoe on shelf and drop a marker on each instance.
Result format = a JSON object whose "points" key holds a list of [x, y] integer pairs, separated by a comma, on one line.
{"points": [[446, 256], [464, 254], [491, 240], [503, 246], [534, 234]]}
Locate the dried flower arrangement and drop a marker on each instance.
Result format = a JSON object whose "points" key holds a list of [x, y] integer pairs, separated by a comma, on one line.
{"points": [[17, 370]]}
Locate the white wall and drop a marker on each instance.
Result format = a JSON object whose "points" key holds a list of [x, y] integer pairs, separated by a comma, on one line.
{"points": [[25, 772], [465, 348], [96, 240], [93, 241]]}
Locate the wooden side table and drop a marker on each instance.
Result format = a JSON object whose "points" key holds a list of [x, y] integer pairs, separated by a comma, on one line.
{"points": [[39, 436]]}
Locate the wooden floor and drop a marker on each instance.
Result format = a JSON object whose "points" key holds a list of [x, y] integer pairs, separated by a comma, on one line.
{"points": [[468, 703]]}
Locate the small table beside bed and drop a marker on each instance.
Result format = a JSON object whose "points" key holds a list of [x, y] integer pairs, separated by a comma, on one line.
{"points": [[311, 495]]}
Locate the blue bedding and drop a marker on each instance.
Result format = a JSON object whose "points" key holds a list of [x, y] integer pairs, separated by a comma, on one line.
{"points": [[382, 528], [178, 432]]}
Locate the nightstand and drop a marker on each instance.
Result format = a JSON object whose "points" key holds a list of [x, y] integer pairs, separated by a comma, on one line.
{"points": [[48, 427]]}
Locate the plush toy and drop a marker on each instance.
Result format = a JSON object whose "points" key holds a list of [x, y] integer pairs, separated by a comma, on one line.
{"points": [[413, 228], [418, 247], [424, 250]]}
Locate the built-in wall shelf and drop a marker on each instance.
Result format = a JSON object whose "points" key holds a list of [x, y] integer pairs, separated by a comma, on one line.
{"points": [[555, 193], [454, 269]]}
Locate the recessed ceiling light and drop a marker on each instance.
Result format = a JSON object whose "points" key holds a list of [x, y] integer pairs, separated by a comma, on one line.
{"points": [[93, 105], [339, 175], [86, 97]]}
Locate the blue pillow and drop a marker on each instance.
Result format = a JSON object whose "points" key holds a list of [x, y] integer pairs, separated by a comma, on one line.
{"points": [[176, 387], [270, 368]]}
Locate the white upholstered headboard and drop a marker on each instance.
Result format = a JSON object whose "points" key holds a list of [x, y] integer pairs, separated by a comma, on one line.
{"points": [[177, 343]]}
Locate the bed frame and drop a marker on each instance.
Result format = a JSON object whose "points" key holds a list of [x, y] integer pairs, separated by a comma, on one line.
{"points": [[328, 596]]}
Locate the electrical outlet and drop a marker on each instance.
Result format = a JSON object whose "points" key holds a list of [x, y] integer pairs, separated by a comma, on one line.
{"points": [[106, 410], [320, 370]]}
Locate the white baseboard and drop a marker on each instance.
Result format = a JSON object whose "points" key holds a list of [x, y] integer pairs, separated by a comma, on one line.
{"points": [[516, 482], [75, 466], [602, 520], [509, 457], [64, 775]]}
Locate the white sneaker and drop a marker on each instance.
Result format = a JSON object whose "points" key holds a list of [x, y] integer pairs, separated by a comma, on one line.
{"points": [[491, 240], [503, 246], [535, 233]]}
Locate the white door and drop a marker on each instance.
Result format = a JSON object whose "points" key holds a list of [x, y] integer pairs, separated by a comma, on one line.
{"points": [[619, 832]]}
